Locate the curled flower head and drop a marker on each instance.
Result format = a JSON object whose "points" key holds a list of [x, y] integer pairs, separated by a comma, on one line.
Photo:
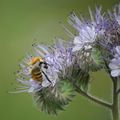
{"points": [[115, 63]]}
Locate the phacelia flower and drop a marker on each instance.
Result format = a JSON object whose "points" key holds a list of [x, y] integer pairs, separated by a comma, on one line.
{"points": [[110, 26], [57, 58], [115, 63], [45, 75], [87, 33], [85, 42]]}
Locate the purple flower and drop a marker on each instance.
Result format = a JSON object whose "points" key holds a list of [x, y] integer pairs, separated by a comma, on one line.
{"points": [[87, 33], [85, 42], [57, 57]]}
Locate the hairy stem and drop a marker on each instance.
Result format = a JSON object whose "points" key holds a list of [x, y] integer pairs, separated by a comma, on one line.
{"points": [[115, 110], [118, 91], [94, 99]]}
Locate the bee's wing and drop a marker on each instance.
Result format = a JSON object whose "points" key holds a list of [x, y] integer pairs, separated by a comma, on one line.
{"points": [[45, 82]]}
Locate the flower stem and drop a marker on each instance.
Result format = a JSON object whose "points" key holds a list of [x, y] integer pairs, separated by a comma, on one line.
{"points": [[115, 110], [118, 91], [94, 99], [114, 106]]}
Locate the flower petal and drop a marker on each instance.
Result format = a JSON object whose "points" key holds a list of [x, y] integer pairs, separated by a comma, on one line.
{"points": [[77, 40], [113, 66], [115, 73], [118, 50], [77, 48]]}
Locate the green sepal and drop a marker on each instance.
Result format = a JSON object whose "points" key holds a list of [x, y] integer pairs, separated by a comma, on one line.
{"points": [[52, 99], [81, 79], [77, 76], [65, 92], [96, 62]]}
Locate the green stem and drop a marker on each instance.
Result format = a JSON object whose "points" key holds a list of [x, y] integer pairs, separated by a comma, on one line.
{"points": [[115, 110], [94, 99], [118, 91]]}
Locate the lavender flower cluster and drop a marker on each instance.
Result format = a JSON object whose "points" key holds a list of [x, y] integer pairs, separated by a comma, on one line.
{"points": [[96, 45]]}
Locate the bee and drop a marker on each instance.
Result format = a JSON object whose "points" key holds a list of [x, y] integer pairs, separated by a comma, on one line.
{"points": [[36, 71]]}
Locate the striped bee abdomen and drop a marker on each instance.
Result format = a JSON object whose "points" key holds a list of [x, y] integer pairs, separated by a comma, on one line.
{"points": [[36, 74]]}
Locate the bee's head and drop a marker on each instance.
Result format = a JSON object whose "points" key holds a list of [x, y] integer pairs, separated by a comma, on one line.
{"points": [[38, 60], [34, 60]]}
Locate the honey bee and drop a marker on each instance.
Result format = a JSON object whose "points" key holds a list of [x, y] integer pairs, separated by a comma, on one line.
{"points": [[36, 71]]}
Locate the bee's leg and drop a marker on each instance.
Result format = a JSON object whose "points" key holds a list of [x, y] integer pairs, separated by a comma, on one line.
{"points": [[46, 76]]}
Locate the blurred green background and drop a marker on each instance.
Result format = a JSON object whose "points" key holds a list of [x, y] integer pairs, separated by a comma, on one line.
{"points": [[21, 23]]}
